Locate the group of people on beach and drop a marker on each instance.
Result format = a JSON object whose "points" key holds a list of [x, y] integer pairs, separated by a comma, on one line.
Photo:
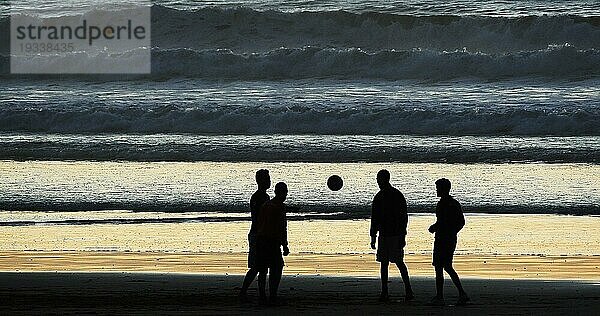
{"points": [[268, 241]]}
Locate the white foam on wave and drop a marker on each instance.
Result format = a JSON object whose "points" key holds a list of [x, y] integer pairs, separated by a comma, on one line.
{"points": [[246, 30], [300, 119], [560, 61], [307, 148], [555, 62]]}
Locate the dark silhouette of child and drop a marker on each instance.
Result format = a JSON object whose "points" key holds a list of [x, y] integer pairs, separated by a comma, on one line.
{"points": [[450, 220], [263, 180], [389, 218], [271, 236]]}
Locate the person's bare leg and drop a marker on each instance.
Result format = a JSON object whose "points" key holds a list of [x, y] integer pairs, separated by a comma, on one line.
{"points": [[409, 295], [262, 283], [384, 281], [274, 280], [439, 286], [463, 297], [250, 276]]}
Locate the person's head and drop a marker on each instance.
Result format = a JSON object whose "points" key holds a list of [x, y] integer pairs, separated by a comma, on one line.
{"points": [[383, 178], [442, 187], [281, 191], [263, 179]]}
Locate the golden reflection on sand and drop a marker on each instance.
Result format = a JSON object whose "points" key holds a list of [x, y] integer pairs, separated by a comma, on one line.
{"points": [[493, 267], [483, 235], [506, 246]]}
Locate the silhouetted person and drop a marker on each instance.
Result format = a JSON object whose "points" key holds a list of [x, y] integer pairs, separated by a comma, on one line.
{"points": [[271, 235], [450, 220], [263, 180], [389, 218]]}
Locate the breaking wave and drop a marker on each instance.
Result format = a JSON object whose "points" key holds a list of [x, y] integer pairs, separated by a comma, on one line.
{"points": [[312, 62]]}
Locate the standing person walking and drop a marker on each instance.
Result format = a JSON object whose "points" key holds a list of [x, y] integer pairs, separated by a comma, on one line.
{"points": [[449, 221], [263, 180], [389, 220]]}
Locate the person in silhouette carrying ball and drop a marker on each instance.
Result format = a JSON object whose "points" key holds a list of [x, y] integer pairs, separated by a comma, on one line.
{"points": [[389, 218]]}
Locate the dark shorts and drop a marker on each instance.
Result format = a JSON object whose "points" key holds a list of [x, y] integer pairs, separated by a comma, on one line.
{"points": [[443, 250], [268, 254], [251, 251], [390, 248]]}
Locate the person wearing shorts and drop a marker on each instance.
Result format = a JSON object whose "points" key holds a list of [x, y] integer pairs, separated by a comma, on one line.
{"points": [[263, 180], [389, 220], [449, 221], [271, 237]]}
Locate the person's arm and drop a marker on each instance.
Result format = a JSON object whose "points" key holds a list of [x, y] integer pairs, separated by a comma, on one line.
{"points": [[374, 221], [253, 209], [404, 212], [460, 218], [284, 237], [434, 228]]}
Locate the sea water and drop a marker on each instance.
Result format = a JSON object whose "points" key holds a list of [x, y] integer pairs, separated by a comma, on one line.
{"points": [[501, 97]]}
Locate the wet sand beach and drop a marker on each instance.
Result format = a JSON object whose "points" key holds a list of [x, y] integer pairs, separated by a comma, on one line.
{"points": [[531, 264], [585, 268]]}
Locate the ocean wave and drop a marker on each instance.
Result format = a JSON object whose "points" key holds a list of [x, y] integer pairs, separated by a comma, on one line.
{"points": [[414, 7], [562, 62], [555, 62], [305, 148], [297, 119], [245, 44], [245, 30]]}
